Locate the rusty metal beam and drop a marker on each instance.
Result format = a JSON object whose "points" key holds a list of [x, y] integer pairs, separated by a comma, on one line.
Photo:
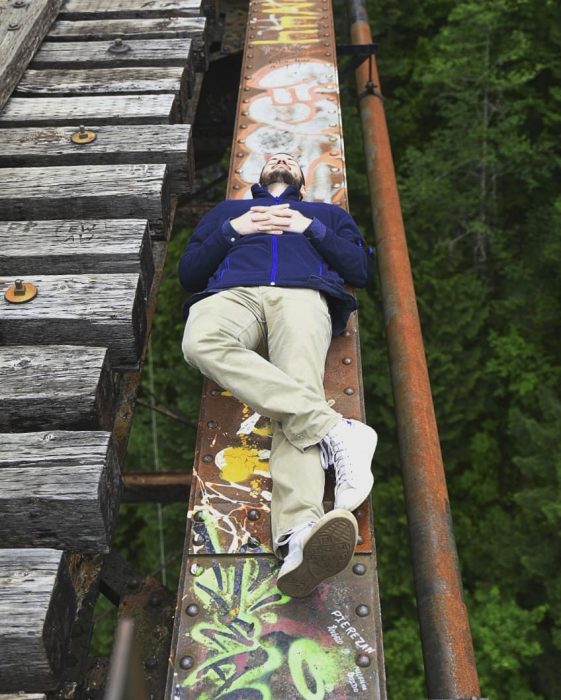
{"points": [[447, 646]]}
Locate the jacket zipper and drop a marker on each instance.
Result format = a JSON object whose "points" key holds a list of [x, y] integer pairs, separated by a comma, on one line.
{"points": [[275, 262]]}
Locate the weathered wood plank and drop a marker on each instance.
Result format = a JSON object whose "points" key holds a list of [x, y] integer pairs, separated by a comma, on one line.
{"points": [[96, 54], [87, 191], [21, 31], [94, 310], [96, 9], [107, 81], [23, 696], [194, 28], [37, 605], [55, 388], [110, 109], [58, 489], [45, 146], [76, 247]]}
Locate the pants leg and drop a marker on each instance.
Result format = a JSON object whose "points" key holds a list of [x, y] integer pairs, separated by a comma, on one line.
{"points": [[298, 338], [221, 336]]}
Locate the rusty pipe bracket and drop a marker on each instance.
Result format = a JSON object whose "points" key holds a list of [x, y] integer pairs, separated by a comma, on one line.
{"points": [[358, 54], [20, 292]]}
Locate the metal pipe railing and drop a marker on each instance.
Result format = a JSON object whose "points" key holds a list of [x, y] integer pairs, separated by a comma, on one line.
{"points": [[449, 660]]}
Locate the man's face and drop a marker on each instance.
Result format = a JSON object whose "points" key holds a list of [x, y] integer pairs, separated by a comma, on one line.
{"points": [[281, 168]]}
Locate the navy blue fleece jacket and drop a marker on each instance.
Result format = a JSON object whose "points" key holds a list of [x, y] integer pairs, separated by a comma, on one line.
{"points": [[330, 252]]}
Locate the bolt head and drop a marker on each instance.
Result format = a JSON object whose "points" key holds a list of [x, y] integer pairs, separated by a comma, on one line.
{"points": [[253, 541], [254, 514], [363, 660], [199, 516], [360, 539], [207, 458], [362, 610], [212, 424], [196, 569], [192, 610], [187, 662], [198, 538], [349, 391], [359, 569]]}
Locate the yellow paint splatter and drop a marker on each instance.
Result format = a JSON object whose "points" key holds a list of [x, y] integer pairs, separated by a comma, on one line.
{"points": [[240, 463], [265, 431]]}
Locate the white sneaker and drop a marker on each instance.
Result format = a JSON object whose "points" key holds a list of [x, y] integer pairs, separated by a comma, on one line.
{"points": [[349, 447], [316, 551]]}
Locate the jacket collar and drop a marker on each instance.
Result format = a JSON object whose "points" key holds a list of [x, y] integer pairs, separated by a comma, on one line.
{"points": [[260, 192]]}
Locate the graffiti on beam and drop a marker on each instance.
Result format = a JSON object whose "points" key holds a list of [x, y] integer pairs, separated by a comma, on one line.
{"points": [[282, 22], [257, 644], [295, 109], [237, 483]]}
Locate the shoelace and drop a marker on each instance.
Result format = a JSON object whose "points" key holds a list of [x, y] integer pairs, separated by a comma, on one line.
{"points": [[340, 459]]}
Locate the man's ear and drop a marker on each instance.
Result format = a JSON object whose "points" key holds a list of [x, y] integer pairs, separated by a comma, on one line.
{"points": [[303, 192]]}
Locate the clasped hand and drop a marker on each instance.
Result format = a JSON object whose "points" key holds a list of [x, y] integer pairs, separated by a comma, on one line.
{"points": [[275, 219]]}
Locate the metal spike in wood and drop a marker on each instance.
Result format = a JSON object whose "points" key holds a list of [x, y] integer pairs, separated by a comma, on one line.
{"points": [[247, 636]]}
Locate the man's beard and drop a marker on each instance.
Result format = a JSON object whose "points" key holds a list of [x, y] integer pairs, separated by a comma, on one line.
{"points": [[280, 175]]}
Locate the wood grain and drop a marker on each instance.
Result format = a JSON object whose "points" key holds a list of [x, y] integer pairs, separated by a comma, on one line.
{"points": [[110, 109], [87, 191], [45, 146], [21, 31], [96, 9], [194, 28], [55, 388], [37, 605], [58, 489], [107, 81], [93, 310]]}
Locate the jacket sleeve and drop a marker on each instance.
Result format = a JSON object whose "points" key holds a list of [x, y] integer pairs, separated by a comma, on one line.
{"points": [[344, 249], [208, 246]]}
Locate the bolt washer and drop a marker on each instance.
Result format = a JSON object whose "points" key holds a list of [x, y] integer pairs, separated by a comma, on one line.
{"points": [[20, 292]]}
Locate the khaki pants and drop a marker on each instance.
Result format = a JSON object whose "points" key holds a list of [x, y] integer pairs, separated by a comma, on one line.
{"points": [[228, 336]]}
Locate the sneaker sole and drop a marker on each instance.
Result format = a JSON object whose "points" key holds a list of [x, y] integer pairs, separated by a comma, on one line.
{"points": [[327, 552]]}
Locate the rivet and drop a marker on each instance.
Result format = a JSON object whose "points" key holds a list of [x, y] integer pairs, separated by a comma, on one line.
{"points": [[253, 541], [254, 514], [212, 424], [237, 187], [362, 610], [360, 539], [241, 140], [199, 516], [151, 662], [359, 569], [327, 53], [246, 89], [193, 610], [207, 458], [250, 66], [333, 138], [363, 660], [359, 513], [244, 114], [335, 170], [346, 334], [243, 126], [347, 361], [13, 26], [326, 43], [215, 392], [155, 600], [187, 662], [334, 153], [239, 154], [196, 569], [245, 100], [198, 538], [336, 185], [349, 391], [238, 170], [250, 46]]}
